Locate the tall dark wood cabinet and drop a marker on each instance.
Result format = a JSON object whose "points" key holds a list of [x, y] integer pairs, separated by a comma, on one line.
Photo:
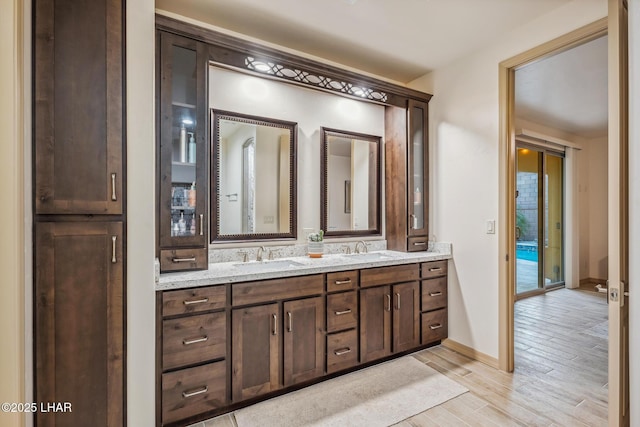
{"points": [[182, 141], [79, 201], [407, 176]]}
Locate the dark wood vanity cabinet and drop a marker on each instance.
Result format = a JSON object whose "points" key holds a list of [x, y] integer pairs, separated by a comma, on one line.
{"points": [[407, 176], [433, 301], [182, 154], [224, 345], [280, 342], [389, 313], [193, 362], [79, 210]]}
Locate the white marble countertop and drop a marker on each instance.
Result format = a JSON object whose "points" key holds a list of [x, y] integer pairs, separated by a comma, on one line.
{"points": [[233, 272]]}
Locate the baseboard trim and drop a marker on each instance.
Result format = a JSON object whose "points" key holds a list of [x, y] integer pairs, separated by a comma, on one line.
{"points": [[471, 353], [593, 281]]}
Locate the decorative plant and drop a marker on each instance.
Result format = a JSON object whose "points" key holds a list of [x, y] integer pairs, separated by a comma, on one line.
{"points": [[522, 223], [316, 237]]}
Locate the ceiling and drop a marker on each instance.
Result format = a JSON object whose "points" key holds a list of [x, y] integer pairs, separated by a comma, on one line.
{"points": [[567, 91], [402, 40]]}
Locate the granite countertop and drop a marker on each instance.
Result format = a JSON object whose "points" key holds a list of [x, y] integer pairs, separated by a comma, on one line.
{"points": [[233, 272]]}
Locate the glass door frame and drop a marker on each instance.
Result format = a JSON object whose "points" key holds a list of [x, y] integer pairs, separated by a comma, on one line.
{"points": [[542, 226]]}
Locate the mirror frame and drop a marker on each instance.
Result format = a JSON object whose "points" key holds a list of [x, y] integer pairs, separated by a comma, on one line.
{"points": [[216, 236], [324, 208]]}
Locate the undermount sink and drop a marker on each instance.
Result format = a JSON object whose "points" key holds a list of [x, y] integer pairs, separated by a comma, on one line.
{"points": [[371, 256], [251, 267]]}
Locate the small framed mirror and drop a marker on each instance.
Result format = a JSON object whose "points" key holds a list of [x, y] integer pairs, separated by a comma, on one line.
{"points": [[253, 192], [350, 179]]}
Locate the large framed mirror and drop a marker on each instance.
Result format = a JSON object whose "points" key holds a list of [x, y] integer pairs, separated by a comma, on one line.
{"points": [[350, 183], [253, 191]]}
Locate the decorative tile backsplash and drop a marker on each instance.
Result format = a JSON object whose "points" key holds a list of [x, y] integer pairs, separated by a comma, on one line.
{"points": [[288, 251]]}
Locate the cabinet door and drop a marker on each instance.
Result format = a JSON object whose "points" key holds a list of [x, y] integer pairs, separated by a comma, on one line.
{"points": [[406, 316], [78, 77], [303, 340], [375, 323], [79, 322], [182, 143], [418, 170], [255, 351]]}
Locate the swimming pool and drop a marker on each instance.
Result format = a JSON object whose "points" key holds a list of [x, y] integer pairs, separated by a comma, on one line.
{"points": [[529, 254]]}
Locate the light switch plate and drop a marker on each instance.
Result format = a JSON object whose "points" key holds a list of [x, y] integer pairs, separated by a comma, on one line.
{"points": [[491, 226]]}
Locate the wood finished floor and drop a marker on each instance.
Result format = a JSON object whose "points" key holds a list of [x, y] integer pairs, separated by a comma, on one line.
{"points": [[560, 377]]}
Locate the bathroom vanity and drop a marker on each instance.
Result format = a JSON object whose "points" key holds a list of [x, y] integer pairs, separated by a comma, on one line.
{"points": [[240, 332], [257, 145]]}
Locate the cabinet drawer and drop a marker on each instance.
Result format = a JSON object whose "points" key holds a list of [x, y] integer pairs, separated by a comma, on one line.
{"points": [[434, 293], [417, 244], [183, 259], [192, 391], [434, 326], [434, 269], [342, 351], [342, 281], [276, 289], [342, 311], [193, 339], [193, 300], [386, 275]]}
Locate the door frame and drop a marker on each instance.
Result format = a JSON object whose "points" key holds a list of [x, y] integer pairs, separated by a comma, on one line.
{"points": [[507, 162]]}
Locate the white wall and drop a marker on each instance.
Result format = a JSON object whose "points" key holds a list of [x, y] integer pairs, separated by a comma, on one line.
{"points": [[12, 243], [464, 166], [596, 171], [311, 109], [141, 208]]}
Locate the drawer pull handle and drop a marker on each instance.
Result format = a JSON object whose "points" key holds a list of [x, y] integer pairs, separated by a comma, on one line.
{"points": [[113, 249], [343, 282], [436, 326], [275, 324], [435, 294], [290, 321], [398, 301], [435, 269], [195, 340], [340, 313], [195, 392], [419, 243], [388, 297], [342, 351], [195, 301], [113, 187], [192, 259], [202, 224]]}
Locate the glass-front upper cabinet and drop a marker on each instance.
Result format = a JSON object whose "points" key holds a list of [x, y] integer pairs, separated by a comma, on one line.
{"points": [[418, 170], [183, 154]]}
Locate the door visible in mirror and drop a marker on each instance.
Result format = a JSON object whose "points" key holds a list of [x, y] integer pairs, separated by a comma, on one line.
{"points": [[253, 193], [350, 204]]}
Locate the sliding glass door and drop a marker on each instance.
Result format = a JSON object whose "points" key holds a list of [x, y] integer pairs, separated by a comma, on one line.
{"points": [[539, 220]]}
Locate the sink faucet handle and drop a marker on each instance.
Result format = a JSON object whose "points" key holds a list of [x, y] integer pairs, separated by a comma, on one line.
{"points": [[364, 247], [261, 250], [346, 249], [273, 253], [244, 255]]}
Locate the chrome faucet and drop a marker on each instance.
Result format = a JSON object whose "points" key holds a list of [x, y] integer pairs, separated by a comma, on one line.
{"points": [[261, 250], [364, 247]]}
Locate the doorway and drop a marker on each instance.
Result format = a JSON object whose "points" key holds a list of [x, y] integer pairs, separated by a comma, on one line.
{"points": [[539, 220]]}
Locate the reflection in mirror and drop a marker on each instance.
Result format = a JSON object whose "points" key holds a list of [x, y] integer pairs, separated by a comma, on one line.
{"points": [[350, 203], [254, 173]]}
